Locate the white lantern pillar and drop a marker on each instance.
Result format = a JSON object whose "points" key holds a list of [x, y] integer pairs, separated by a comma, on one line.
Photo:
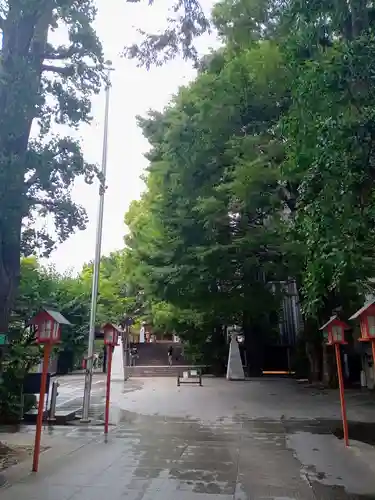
{"points": [[234, 369]]}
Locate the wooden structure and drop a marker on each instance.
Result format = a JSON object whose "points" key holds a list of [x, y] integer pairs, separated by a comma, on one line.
{"points": [[334, 334], [111, 334], [334, 331], [48, 332], [111, 339], [48, 326], [366, 316]]}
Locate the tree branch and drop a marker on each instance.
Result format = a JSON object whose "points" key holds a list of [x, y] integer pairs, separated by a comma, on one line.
{"points": [[30, 182], [62, 53], [35, 176], [61, 70], [50, 205]]}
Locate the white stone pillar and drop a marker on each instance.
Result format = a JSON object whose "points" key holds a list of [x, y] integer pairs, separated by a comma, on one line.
{"points": [[234, 368], [142, 335]]}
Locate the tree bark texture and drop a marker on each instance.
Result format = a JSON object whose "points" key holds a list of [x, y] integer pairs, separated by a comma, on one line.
{"points": [[24, 38]]}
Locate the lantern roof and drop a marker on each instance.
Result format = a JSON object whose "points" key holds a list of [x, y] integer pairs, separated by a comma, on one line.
{"points": [[331, 320], [363, 309], [55, 315], [115, 327]]}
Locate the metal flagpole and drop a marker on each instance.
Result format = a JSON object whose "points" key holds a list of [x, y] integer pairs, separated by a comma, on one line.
{"points": [[98, 245]]}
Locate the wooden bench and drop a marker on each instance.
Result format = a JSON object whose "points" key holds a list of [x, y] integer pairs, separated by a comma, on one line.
{"points": [[191, 376]]}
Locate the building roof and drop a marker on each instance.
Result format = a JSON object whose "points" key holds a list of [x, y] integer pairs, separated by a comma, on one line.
{"points": [[363, 309]]}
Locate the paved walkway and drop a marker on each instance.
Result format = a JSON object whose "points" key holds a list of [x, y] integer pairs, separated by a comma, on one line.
{"points": [[256, 440], [118, 363]]}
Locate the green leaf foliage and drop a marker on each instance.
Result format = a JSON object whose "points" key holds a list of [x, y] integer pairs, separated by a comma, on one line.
{"points": [[205, 236], [329, 133], [262, 169], [42, 85]]}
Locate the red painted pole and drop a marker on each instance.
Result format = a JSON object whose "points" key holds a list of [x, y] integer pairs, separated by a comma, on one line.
{"points": [[39, 422], [108, 394], [342, 395], [373, 354]]}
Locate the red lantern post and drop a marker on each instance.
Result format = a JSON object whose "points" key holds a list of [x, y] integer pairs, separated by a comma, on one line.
{"points": [[366, 317], [111, 334], [48, 333], [334, 334]]}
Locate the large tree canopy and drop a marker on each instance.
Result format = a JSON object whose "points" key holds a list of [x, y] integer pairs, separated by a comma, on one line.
{"points": [[329, 133], [261, 169], [42, 84], [206, 233]]}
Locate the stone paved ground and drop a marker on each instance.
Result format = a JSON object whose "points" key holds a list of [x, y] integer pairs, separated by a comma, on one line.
{"points": [[264, 439], [70, 392]]}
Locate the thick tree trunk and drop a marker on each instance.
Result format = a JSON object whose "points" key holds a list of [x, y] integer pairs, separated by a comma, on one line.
{"points": [[314, 361], [219, 350], [10, 242], [329, 367], [312, 339], [359, 12], [24, 38], [253, 330], [254, 346], [12, 209], [7, 287], [254, 354]]}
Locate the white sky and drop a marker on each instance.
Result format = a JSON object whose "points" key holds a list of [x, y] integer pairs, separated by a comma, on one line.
{"points": [[134, 91]]}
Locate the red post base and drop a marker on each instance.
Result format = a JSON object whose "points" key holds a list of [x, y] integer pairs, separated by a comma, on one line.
{"points": [[108, 392], [42, 395], [342, 395]]}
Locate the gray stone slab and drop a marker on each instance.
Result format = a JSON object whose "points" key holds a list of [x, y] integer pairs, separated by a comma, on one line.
{"points": [[325, 459], [39, 491], [143, 485], [155, 452], [70, 479], [214, 444], [201, 481], [103, 493], [153, 463], [264, 492], [227, 454], [184, 495], [224, 468]]}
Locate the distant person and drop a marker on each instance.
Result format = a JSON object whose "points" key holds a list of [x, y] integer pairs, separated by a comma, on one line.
{"points": [[170, 355], [96, 360], [133, 355]]}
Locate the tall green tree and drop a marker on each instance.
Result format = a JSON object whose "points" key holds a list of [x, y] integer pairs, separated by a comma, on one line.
{"points": [[185, 21], [263, 167], [39, 287], [117, 295], [205, 236], [42, 84], [329, 137]]}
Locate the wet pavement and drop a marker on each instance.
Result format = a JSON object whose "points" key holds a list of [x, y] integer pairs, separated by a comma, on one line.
{"points": [[256, 440], [70, 394]]}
